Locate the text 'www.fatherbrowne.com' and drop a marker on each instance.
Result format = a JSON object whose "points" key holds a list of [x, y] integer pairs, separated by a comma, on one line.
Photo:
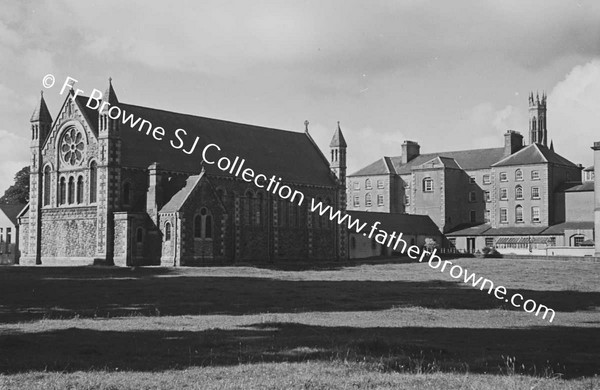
{"points": [[394, 240]]}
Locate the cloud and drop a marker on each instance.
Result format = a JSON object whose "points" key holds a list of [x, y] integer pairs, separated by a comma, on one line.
{"points": [[573, 113], [14, 157]]}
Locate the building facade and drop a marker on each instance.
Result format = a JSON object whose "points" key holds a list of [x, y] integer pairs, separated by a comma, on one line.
{"points": [[102, 190], [514, 198]]}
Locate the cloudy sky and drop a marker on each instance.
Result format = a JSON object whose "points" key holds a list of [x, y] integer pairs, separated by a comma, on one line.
{"points": [[449, 75]]}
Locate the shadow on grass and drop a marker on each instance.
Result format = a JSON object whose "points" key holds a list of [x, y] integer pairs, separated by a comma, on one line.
{"points": [[538, 351], [96, 292]]}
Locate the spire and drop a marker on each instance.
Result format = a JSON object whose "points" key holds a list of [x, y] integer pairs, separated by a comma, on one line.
{"points": [[41, 112], [110, 95], [338, 140], [552, 145], [306, 122]]}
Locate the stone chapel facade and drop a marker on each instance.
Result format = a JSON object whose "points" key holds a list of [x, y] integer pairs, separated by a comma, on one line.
{"points": [[102, 192]]}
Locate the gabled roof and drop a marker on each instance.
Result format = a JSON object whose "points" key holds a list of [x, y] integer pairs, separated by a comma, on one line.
{"points": [[12, 211], [178, 200], [469, 230], [467, 159], [286, 154], [338, 139], [439, 161], [397, 222], [534, 154]]}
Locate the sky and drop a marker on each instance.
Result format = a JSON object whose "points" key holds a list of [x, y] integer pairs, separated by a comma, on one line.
{"points": [[448, 75]]}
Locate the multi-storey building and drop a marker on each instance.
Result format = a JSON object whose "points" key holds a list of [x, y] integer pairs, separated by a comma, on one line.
{"points": [[506, 197]]}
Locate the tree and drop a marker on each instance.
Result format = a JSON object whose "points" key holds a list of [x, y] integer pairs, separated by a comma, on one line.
{"points": [[18, 192]]}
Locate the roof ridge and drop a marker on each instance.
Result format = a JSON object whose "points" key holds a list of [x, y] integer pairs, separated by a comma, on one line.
{"points": [[212, 119]]}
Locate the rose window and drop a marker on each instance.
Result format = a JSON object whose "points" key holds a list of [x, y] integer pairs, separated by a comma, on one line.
{"points": [[72, 147]]}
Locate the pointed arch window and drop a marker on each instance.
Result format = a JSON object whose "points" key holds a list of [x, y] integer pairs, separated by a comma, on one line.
{"points": [[203, 224], [80, 190], [93, 181], [259, 209], [47, 180], [198, 226], [62, 191], [534, 124], [208, 226], [168, 231], [71, 190], [139, 235], [126, 193], [248, 200]]}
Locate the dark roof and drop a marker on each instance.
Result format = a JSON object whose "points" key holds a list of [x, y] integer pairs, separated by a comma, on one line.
{"points": [[90, 115], [178, 200], [590, 168], [467, 230], [41, 112], [338, 139], [578, 187], [439, 161], [573, 225], [12, 211], [466, 159], [534, 154], [383, 166], [516, 231], [290, 155], [397, 222]]}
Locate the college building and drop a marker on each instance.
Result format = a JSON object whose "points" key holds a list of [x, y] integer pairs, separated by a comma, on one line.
{"points": [[518, 198]]}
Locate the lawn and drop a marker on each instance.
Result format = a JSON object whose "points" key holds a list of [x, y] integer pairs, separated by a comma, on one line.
{"points": [[386, 325]]}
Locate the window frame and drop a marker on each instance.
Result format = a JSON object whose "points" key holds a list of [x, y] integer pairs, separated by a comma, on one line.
{"points": [[505, 219], [503, 190], [535, 175], [427, 184], [518, 174], [487, 179], [503, 176], [533, 196], [519, 213], [536, 210]]}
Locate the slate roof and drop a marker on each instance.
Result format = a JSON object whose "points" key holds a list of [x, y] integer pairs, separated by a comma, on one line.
{"points": [[467, 159], [12, 211], [534, 154], [293, 156], [90, 115], [286, 154], [177, 201], [469, 230], [41, 112], [406, 223], [578, 187], [338, 139], [573, 225]]}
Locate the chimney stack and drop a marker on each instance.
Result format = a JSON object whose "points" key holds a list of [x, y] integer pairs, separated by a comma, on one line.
{"points": [[410, 150], [513, 142]]}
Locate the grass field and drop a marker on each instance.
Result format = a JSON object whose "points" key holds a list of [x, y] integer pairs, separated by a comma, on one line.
{"points": [[358, 326]]}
